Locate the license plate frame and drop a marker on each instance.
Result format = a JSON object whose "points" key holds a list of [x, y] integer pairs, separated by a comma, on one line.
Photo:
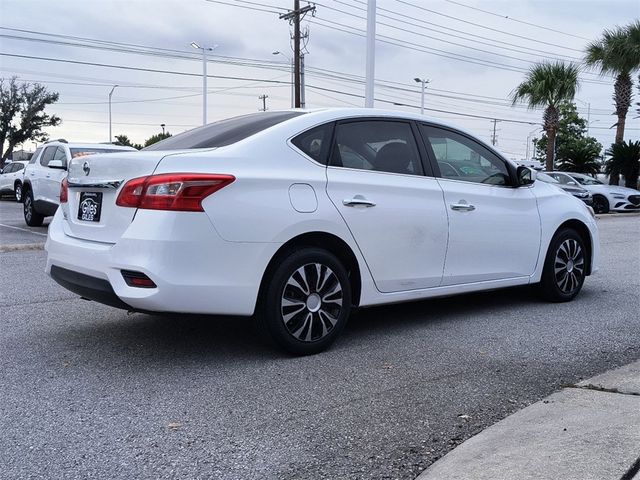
{"points": [[90, 206]]}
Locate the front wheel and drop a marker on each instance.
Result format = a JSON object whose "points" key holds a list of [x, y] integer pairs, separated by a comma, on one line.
{"points": [[564, 268], [307, 301], [600, 204]]}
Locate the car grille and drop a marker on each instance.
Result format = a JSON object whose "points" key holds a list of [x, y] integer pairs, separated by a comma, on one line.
{"points": [[635, 199]]}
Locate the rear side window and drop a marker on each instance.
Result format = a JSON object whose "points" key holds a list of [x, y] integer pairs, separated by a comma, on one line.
{"points": [[382, 146], [224, 132], [17, 167], [35, 155], [315, 142]]}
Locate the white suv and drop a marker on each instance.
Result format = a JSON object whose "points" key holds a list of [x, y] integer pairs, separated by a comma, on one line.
{"points": [[45, 171]]}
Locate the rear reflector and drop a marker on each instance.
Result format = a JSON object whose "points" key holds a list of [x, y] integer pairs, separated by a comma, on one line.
{"points": [[171, 191], [137, 279], [64, 191]]}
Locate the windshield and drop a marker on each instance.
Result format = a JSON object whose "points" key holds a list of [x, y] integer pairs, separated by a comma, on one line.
{"points": [[545, 178], [584, 180], [81, 152], [224, 132]]}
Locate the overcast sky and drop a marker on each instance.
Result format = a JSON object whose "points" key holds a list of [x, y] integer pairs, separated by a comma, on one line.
{"points": [[472, 54]]}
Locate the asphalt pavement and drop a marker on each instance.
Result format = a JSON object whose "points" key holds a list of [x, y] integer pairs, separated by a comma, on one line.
{"points": [[89, 391]]}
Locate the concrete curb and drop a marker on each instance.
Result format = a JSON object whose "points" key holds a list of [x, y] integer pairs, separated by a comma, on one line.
{"points": [[21, 247], [587, 431]]}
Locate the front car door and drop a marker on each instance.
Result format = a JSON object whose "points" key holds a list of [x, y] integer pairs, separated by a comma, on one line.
{"points": [[396, 213], [494, 228], [54, 176]]}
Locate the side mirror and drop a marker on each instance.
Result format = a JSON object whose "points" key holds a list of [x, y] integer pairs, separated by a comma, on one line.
{"points": [[57, 164], [572, 183], [526, 176]]}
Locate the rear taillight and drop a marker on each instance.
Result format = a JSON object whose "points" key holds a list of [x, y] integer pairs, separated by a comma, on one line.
{"points": [[64, 191], [172, 191]]}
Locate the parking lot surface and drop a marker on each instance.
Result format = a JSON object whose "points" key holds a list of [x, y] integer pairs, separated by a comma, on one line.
{"points": [[89, 391]]}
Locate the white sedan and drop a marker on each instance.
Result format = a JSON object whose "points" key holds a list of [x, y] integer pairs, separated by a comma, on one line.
{"points": [[605, 197], [300, 216]]}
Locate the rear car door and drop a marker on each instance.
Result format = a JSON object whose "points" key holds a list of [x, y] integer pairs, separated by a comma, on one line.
{"points": [[494, 228], [396, 213]]}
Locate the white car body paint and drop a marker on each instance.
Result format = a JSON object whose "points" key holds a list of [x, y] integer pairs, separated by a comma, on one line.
{"points": [[410, 245]]}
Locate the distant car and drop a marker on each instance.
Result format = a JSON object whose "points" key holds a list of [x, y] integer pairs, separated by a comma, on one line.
{"points": [[300, 216], [45, 171], [575, 190], [605, 197], [11, 179]]}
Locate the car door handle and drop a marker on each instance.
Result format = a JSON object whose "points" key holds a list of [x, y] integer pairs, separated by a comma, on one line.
{"points": [[358, 201], [462, 207]]}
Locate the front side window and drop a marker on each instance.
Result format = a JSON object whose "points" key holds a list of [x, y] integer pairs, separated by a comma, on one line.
{"points": [[34, 157], [461, 158], [315, 142], [381, 146], [47, 155]]}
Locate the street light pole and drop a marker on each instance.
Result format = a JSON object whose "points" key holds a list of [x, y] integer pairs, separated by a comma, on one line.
{"points": [[371, 53], [290, 60], [204, 77], [110, 94], [423, 82]]}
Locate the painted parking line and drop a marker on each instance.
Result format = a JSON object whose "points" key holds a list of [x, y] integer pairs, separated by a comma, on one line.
{"points": [[23, 230]]}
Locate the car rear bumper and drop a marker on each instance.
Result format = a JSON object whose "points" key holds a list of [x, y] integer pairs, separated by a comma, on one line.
{"points": [[194, 270]]}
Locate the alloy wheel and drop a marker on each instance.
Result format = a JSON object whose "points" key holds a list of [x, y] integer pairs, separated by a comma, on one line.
{"points": [[28, 208], [18, 193], [311, 302], [599, 205], [569, 266]]}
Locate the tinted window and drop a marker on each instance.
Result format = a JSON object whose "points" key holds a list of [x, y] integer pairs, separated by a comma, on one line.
{"points": [[34, 157], [47, 155], [17, 167], [315, 142], [61, 155], [224, 132], [382, 146], [461, 158]]}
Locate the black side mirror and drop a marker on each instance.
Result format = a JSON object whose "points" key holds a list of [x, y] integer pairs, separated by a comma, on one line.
{"points": [[526, 176]]}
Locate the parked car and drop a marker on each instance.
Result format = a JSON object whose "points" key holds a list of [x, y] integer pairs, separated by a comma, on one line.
{"points": [[605, 197], [573, 188], [11, 179], [45, 171], [300, 216]]}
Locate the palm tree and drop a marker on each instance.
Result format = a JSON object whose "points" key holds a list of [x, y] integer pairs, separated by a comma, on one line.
{"points": [[581, 157], [618, 53], [625, 159], [548, 85]]}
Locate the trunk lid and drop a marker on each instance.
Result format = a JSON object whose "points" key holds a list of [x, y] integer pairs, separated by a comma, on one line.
{"points": [[94, 181]]}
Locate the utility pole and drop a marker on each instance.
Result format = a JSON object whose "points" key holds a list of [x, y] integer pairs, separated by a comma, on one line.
{"points": [[371, 54], [494, 138], [294, 17], [263, 97]]}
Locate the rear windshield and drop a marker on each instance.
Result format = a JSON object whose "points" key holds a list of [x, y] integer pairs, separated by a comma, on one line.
{"points": [[224, 132], [81, 152]]}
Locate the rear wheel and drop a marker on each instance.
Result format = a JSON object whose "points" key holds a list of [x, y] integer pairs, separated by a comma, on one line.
{"points": [[600, 204], [565, 267], [17, 190], [31, 217], [307, 301]]}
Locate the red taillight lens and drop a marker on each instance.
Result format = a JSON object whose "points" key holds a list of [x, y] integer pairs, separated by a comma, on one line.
{"points": [[64, 191], [172, 191]]}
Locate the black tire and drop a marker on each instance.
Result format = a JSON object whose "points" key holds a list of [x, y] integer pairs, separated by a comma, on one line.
{"points": [[17, 191], [311, 287], [31, 216], [600, 204], [564, 267]]}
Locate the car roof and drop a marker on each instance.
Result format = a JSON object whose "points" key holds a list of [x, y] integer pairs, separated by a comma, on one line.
{"points": [[105, 146]]}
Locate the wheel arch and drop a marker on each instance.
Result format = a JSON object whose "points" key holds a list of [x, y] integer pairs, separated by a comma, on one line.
{"points": [[584, 233], [328, 242]]}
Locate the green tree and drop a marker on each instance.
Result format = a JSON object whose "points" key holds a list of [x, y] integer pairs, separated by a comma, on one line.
{"points": [[156, 138], [625, 159], [124, 140], [575, 151], [548, 85], [617, 53], [22, 115]]}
